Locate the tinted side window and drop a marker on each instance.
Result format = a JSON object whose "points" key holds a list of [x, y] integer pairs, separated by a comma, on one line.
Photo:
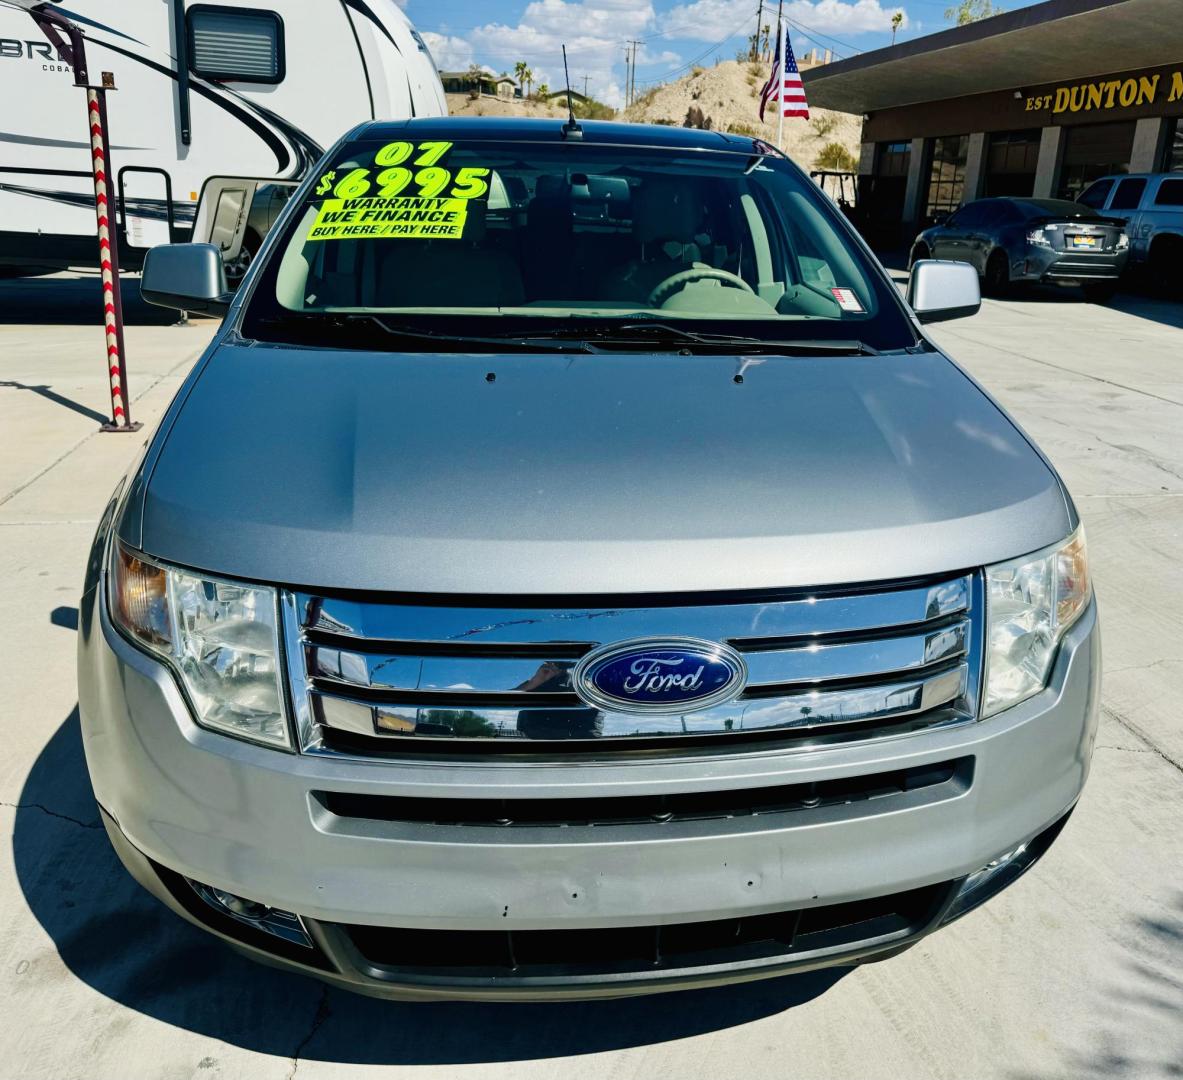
{"points": [[970, 217], [1096, 194], [1170, 193], [1129, 194]]}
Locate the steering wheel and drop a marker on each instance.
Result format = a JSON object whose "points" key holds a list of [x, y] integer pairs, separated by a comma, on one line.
{"points": [[696, 273]]}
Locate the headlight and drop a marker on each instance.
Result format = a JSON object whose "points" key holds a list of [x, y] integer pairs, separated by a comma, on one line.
{"points": [[220, 637], [1039, 238], [1030, 604]]}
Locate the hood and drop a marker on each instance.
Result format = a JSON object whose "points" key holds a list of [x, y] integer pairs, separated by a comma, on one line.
{"points": [[579, 474]]}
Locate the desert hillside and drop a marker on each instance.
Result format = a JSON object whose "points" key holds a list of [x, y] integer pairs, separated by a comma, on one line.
{"points": [[463, 105], [728, 96], [725, 97]]}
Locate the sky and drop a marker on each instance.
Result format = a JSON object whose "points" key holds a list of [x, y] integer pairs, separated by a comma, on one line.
{"points": [[675, 34]]}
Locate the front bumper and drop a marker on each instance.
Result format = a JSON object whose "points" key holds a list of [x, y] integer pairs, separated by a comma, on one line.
{"points": [[182, 802], [1068, 267]]}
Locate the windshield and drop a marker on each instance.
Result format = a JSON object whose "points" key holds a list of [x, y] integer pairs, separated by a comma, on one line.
{"points": [[537, 238]]}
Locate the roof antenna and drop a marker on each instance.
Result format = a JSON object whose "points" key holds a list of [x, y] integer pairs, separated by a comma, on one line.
{"points": [[571, 129]]}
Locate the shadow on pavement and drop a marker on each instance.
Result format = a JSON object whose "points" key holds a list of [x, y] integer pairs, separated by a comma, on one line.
{"points": [[1135, 1015], [74, 300], [51, 395], [118, 940]]}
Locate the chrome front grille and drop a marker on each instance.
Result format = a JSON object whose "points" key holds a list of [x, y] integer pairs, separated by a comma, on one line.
{"points": [[370, 675]]}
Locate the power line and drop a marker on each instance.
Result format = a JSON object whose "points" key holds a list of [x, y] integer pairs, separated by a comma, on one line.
{"points": [[694, 60]]}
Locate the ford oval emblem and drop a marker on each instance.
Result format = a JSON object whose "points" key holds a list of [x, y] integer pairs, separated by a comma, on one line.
{"points": [[666, 675]]}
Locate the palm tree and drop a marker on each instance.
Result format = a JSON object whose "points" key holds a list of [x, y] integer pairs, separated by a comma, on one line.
{"points": [[896, 19], [543, 90], [528, 77], [519, 71]]}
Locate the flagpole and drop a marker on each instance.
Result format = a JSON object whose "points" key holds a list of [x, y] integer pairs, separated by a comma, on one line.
{"points": [[780, 90]]}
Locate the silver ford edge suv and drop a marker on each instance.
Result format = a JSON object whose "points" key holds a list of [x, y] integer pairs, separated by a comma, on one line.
{"points": [[571, 571]]}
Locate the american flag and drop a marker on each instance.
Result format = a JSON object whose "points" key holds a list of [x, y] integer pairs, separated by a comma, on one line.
{"points": [[790, 89]]}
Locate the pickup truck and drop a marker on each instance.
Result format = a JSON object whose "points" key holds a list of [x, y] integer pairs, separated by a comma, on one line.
{"points": [[572, 570], [1151, 205]]}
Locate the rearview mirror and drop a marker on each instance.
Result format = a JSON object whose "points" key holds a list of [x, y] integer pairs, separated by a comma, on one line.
{"points": [[187, 277], [939, 290]]}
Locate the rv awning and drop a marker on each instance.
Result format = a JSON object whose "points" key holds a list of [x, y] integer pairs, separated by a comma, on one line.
{"points": [[1050, 42]]}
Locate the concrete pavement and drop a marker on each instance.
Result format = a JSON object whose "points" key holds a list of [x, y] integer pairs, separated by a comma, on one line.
{"points": [[1076, 972]]}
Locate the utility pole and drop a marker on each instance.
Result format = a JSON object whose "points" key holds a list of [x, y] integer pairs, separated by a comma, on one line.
{"points": [[759, 26], [632, 85], [627, 100], [585, 78]]}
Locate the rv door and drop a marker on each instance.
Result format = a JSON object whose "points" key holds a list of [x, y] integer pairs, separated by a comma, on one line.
{"points": [[222, 214], [235, 213]]}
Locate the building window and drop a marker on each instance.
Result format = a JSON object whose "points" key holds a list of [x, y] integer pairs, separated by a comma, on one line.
{"points": [[236, 44], [1173, 158], [946, 174], [894, 159], [1092, 151], [1011, 163]]}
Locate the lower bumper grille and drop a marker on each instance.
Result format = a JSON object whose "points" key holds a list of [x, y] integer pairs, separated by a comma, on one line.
{"points": [[646, 809], [586, 954]]}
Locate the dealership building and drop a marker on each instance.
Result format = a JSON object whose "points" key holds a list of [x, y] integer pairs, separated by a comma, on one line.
{"points": [[1035, 102]]}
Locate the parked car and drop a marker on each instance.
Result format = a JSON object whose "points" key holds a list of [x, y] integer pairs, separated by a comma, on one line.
{"points": [[1053, 241], [572, 571], [1151, 207]]}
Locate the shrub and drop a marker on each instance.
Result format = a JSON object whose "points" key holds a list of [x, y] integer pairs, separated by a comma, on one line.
{"points": [[823, 125], [836, 157]]}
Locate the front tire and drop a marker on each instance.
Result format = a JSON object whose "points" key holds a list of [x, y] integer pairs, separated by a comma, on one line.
{"points": [[236, 269], [998, 274]]}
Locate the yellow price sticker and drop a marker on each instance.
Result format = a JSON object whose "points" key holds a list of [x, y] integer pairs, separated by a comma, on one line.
{"points": [[400, 217]]}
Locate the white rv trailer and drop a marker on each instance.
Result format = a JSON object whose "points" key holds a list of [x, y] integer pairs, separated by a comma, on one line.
{"points": [[250, 89]]}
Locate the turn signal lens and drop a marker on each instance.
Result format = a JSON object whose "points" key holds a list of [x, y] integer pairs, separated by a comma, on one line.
{"points": [[141, 599]]}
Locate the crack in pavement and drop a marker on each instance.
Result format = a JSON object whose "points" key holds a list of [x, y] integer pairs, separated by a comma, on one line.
{"points": [[53, 813], [1140, 735], [323, 1012]]}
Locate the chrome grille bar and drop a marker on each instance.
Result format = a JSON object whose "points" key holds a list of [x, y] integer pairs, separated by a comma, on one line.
{"points": [[472, 627], [811, 708], [817, 661]]}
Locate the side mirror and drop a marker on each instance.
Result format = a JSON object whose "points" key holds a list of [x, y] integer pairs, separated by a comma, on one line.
{"points": [[188, 277], [940, 290]]}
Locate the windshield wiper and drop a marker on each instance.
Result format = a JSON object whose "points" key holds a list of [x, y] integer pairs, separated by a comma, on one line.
{"points": [[354, 320], [652, 333]]}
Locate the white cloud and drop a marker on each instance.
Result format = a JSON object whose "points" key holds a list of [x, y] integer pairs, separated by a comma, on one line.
{"points": [[594, 32], [449, 53], [711, 20]]}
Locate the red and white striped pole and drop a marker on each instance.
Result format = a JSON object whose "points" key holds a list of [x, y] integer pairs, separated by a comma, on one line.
{"points": [[96, 105]]}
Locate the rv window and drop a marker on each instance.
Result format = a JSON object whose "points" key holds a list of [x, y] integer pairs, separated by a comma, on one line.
{"points": [[235, 44]]}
